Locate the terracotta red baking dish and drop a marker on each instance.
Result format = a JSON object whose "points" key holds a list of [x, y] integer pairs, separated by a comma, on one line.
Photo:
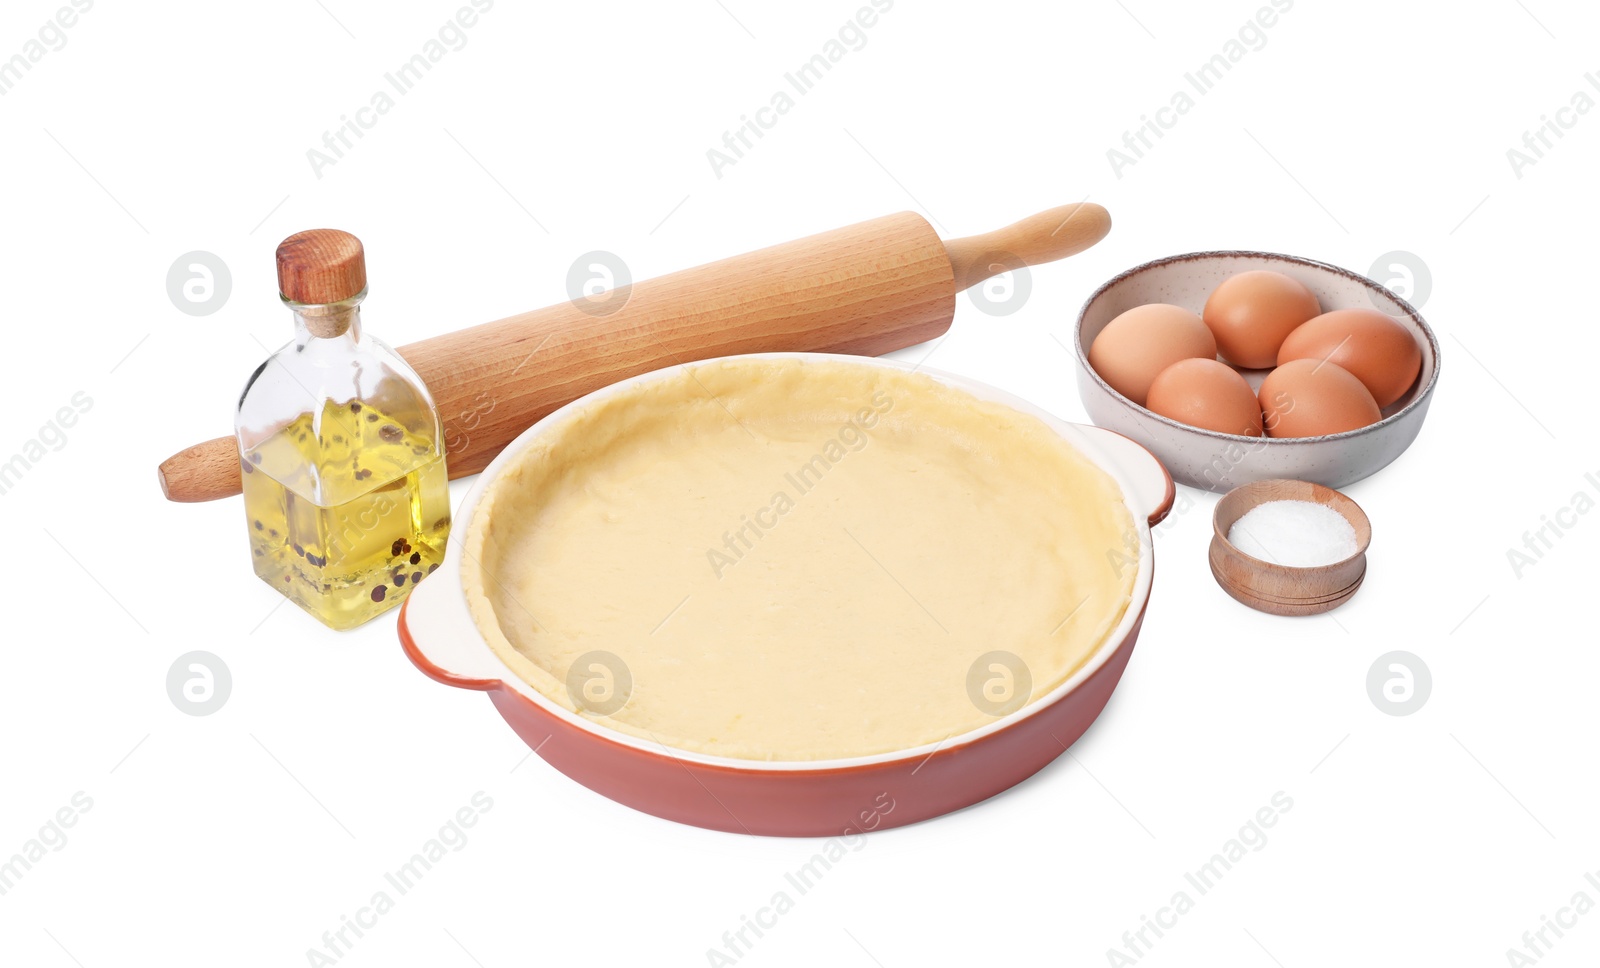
{"points": [[800, 798]]}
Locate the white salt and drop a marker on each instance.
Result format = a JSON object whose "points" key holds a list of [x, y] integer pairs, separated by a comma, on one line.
{"points": [[1301, 534]]}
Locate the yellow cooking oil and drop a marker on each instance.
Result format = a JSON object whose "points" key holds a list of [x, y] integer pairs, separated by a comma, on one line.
{"points": [[348, 510]]}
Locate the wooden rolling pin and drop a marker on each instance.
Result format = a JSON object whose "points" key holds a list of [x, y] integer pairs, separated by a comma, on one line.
{"points": [[867, 289]]}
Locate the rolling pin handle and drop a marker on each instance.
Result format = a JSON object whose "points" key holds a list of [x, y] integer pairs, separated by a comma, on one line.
{"points": [[204, 472], [1037, 239]]}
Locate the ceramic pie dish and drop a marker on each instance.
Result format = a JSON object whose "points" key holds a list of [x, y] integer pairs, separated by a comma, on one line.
{"points": [[1220, 462], [794, 594]]}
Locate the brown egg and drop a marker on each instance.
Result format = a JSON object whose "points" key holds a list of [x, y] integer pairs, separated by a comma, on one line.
{"points": [[1145, 340], [1206, 394], [1309, 398], [1374, 346], [1251, 313]]}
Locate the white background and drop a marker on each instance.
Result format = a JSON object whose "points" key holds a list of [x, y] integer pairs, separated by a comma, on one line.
{"points": [[1358, 129]]}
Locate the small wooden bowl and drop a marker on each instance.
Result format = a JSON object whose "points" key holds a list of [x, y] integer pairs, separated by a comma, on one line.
{"points": [[1285, 589]]}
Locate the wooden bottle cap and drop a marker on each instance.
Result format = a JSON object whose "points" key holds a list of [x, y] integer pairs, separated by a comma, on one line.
{"points": [[321, 266]]}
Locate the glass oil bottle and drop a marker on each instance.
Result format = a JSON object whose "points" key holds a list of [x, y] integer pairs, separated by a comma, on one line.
{"points": [[341, 449]]}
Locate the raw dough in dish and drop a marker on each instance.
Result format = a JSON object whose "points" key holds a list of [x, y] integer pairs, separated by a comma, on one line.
{"points": [[797, 559]]}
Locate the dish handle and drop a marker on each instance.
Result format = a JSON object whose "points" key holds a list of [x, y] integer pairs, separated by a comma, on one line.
{"points": [[1152, 489], [440, 638]]}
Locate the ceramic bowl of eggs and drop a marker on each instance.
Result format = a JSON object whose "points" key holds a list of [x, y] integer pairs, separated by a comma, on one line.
{"points": [[1235, 367]]}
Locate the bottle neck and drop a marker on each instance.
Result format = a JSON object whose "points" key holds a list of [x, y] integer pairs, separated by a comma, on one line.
{"points": [[327, 321]]}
